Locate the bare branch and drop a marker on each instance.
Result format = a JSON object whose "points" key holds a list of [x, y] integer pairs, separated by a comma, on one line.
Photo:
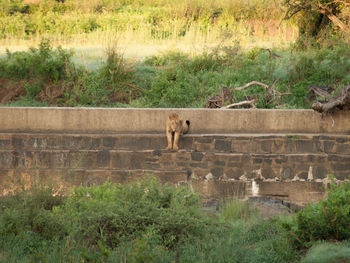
{"points": [[241, 103], [252, 83]]}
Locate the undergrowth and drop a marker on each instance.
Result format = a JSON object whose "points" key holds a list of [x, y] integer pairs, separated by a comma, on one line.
{"points": [[150, 222], [173, 79]]}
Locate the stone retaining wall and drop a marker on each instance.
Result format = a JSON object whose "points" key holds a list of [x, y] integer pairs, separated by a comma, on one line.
{"points": [[289, 167]]}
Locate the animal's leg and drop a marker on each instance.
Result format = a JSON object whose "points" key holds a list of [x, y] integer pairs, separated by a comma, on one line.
{"points": [[176, 141], [169, 136]]}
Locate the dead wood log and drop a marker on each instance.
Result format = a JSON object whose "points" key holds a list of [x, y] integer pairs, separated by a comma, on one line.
{"points": [[340, 103]]}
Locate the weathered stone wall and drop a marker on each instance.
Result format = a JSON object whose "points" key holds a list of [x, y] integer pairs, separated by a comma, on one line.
{"points": [[285, 154], [289, 167]]}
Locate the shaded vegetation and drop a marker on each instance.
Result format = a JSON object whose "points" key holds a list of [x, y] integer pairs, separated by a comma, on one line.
{"points": [[150, 222]]}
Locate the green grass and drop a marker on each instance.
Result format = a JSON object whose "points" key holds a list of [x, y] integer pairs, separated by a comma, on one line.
{"points": [[328, 253]]}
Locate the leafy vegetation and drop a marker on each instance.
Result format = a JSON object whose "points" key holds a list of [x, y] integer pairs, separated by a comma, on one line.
{"points": [[150, 222], [48, 76], [329, 219]]}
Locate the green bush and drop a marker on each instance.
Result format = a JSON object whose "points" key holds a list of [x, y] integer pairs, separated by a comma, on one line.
{"points": [[112, 214], [327, 220], [42, 62], [30, 210]]}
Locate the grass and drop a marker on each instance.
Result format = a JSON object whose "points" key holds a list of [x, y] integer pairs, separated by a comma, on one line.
{"points": [[146, 222], [135, 21], [324, 252], [172, 79]]}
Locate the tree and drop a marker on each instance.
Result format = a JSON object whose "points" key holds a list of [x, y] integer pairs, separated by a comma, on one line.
{"points": [[314, 16]]}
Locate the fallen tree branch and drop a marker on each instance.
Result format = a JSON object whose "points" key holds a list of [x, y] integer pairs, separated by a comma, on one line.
{"points": [[250, 103], [340, 103], [252, 83], [320, 91], [226, 94]]}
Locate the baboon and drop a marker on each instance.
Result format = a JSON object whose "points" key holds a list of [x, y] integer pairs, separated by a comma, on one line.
{"points": [[175, 127]]}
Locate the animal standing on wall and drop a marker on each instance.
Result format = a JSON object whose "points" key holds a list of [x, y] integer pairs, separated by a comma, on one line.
{"points": [[174, 128]]}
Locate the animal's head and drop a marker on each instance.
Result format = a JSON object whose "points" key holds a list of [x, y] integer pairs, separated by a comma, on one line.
{"points": [[174, 120]]}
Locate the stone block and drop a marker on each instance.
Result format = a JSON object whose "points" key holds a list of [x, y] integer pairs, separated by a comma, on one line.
{"points": [[340, 166], [6, 160], [204, 139], [95, 143], [199, 165], [36, 143], [186, 142], [287, 173], [157, 153], [17, 143], [203, 147], [223, 145], [244, 146], [137, 160], [281, 159], [80, 142], [109, 142], [5, 144], [342, 148], [305, 146], [217, 172], [233, 173], [171, 165], [197, 156], [268, 173], [89, 160], [341, 140], [103, 159], [234, 158], [303, 175], [219, 163], [328, 146], [341, 175], [199, 173], [54, 160], [319, 172], [257, 160], [44, 159], [266, 146]]}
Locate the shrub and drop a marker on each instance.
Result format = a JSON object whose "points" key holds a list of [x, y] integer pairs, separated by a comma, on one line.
{"points": [[30, 210], [112, 214], [327, 220], [42, 62]]}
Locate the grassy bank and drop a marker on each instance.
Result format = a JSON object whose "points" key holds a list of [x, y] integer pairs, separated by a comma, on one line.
{"points": [[148, 222], [49, 77]]}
